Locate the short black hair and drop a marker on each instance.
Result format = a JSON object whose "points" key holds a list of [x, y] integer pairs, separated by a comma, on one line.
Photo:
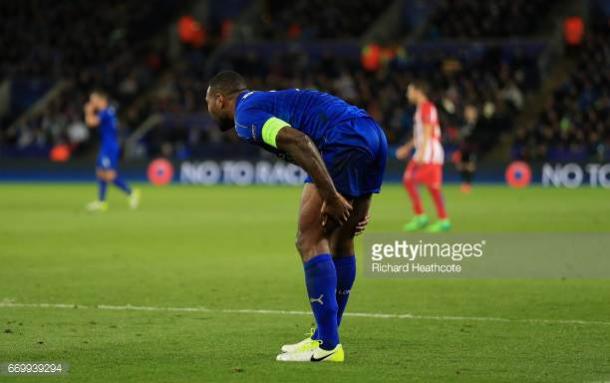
{"points": [[421, 85], [227, 83]]}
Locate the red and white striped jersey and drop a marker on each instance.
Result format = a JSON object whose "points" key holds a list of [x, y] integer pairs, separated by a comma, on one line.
{"points": [[432, 152]]}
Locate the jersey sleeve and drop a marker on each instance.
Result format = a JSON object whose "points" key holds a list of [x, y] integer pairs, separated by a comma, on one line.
{"points": [[429, 116], [258, 127]]}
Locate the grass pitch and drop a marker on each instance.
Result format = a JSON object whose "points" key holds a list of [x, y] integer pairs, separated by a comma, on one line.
{"points": [[219, 250]]}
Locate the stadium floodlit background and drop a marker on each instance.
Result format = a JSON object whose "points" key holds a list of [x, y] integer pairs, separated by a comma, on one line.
{"points": [[202, 282]]}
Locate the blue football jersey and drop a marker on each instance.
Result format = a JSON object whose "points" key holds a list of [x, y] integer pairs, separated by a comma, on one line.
{"points": [[318, 115], [108, 130]]}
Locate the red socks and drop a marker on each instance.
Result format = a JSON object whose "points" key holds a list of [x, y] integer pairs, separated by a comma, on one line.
{"points": [[414, 195], [437, 197]]}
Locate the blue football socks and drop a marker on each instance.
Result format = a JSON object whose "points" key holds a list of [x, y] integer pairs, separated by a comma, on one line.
{"points": [[101, 190], [321, 281], [346, 274], [121, 184]]}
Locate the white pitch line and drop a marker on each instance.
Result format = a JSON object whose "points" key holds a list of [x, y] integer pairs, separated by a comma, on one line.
{"points": [[11, 304]]}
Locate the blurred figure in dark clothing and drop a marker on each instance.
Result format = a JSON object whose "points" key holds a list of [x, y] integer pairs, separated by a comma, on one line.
{"points": [[465, 158]]}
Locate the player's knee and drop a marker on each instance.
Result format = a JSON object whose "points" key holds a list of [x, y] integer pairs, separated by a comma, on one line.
{"points": [[301, 243], [309, 245], [110, 176]]}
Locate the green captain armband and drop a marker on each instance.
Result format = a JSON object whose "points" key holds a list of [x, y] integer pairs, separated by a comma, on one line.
{"points": [[271, 129]]}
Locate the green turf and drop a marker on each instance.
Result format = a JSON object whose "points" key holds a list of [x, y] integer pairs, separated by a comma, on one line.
{"points": [[232, 248]]}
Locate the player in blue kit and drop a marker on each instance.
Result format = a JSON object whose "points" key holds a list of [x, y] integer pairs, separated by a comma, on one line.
{"points": [[343, 151], [99, 114]]}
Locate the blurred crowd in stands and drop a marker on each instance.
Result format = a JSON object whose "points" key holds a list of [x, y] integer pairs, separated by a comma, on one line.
{"points": [[492, 84], [479, 89], [475, 19], [318, 19], [61, 121], [575, 122], [85, 45], [59, 39]]}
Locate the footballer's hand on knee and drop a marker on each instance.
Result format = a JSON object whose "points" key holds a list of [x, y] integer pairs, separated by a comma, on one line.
{"points": [[329, 224], [337, 208], [362, 225]]}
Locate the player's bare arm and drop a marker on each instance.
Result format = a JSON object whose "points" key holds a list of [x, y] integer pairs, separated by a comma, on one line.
{"points": [[91, 118], [305, 154], [403, 151]]}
